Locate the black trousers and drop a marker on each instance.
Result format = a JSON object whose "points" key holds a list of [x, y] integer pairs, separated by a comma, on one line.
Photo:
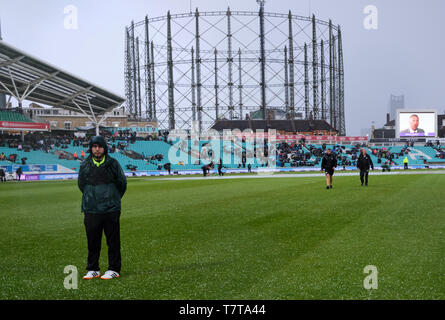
{"points": [[95, 225], [364, 176]]}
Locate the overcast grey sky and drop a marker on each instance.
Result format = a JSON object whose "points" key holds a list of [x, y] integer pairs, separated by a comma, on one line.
{"points": [[405, 55]]}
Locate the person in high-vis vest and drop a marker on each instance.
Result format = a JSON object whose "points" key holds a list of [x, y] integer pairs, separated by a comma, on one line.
{"points": [[405, 163]]}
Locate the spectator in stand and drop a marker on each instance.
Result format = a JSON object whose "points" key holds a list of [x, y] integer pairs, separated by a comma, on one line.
{"points": [[167, 167], [2, 157]]}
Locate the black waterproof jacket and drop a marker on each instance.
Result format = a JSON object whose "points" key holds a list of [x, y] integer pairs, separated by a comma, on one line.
{"points": [[102, 187], [364, 162], [329, 161]]}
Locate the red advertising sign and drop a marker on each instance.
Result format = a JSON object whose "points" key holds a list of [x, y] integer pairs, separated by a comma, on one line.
{"points": [[354, 139], [283, 137], [31, 126], [321, 138]]}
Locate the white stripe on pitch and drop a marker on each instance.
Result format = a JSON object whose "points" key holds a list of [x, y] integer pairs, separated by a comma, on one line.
{"points": [[304, 175]]}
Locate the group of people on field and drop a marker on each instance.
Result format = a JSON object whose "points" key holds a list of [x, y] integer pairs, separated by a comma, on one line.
{"points": [[329, 164]]}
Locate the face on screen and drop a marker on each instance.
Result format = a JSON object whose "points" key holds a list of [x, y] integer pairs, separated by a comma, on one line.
{"points": [[417, 124], [414, 122]]}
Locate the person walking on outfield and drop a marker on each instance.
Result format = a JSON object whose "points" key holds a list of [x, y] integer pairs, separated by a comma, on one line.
{"points": [[220, 166], [19, 173], [364, 162], [328, 165], [103, 184]]}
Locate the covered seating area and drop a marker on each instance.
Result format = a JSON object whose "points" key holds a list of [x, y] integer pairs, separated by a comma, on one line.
{"points": [[25, 77]]}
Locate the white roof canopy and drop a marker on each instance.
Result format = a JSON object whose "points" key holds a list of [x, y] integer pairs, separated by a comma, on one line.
{"points": [[28, 78]]}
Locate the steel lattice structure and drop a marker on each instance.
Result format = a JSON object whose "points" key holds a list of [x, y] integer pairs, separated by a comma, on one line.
{"points": [[205, 66]]}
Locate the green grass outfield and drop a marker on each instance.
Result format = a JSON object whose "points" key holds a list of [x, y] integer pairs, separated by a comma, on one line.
{"points": [[284, 238]]}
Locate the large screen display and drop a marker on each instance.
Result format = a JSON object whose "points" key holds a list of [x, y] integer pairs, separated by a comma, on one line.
{"points": [[419, 123]]}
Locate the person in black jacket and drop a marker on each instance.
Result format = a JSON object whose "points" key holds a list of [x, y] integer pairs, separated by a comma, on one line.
{"points": [[364, 162], [328, 165], [168, 167], [220, 166], [103, 184], [205, 169], [2, 175], [19, 173]]}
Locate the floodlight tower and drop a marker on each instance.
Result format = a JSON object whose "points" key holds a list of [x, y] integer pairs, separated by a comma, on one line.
{"points": [[262, 59]]}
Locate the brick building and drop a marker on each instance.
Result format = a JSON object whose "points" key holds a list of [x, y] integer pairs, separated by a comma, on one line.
{"points": [[62, 119]]}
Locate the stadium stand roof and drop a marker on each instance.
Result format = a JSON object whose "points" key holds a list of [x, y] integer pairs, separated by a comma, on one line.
{"points": [[26, 77]]}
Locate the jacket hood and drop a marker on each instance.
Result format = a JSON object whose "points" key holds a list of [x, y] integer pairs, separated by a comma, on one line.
{"points": [[99, 140]]}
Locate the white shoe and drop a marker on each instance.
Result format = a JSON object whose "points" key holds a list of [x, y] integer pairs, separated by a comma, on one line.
{"points": [[92, 275], [110, 275]]}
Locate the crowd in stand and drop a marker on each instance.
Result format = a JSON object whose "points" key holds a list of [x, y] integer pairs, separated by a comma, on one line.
{"points": [[36, 141], [440, 152], [300, 154], [296, 153], [49, 142]]}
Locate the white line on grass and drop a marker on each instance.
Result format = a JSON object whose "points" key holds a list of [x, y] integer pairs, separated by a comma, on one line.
{"points": [[303, 175]]}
